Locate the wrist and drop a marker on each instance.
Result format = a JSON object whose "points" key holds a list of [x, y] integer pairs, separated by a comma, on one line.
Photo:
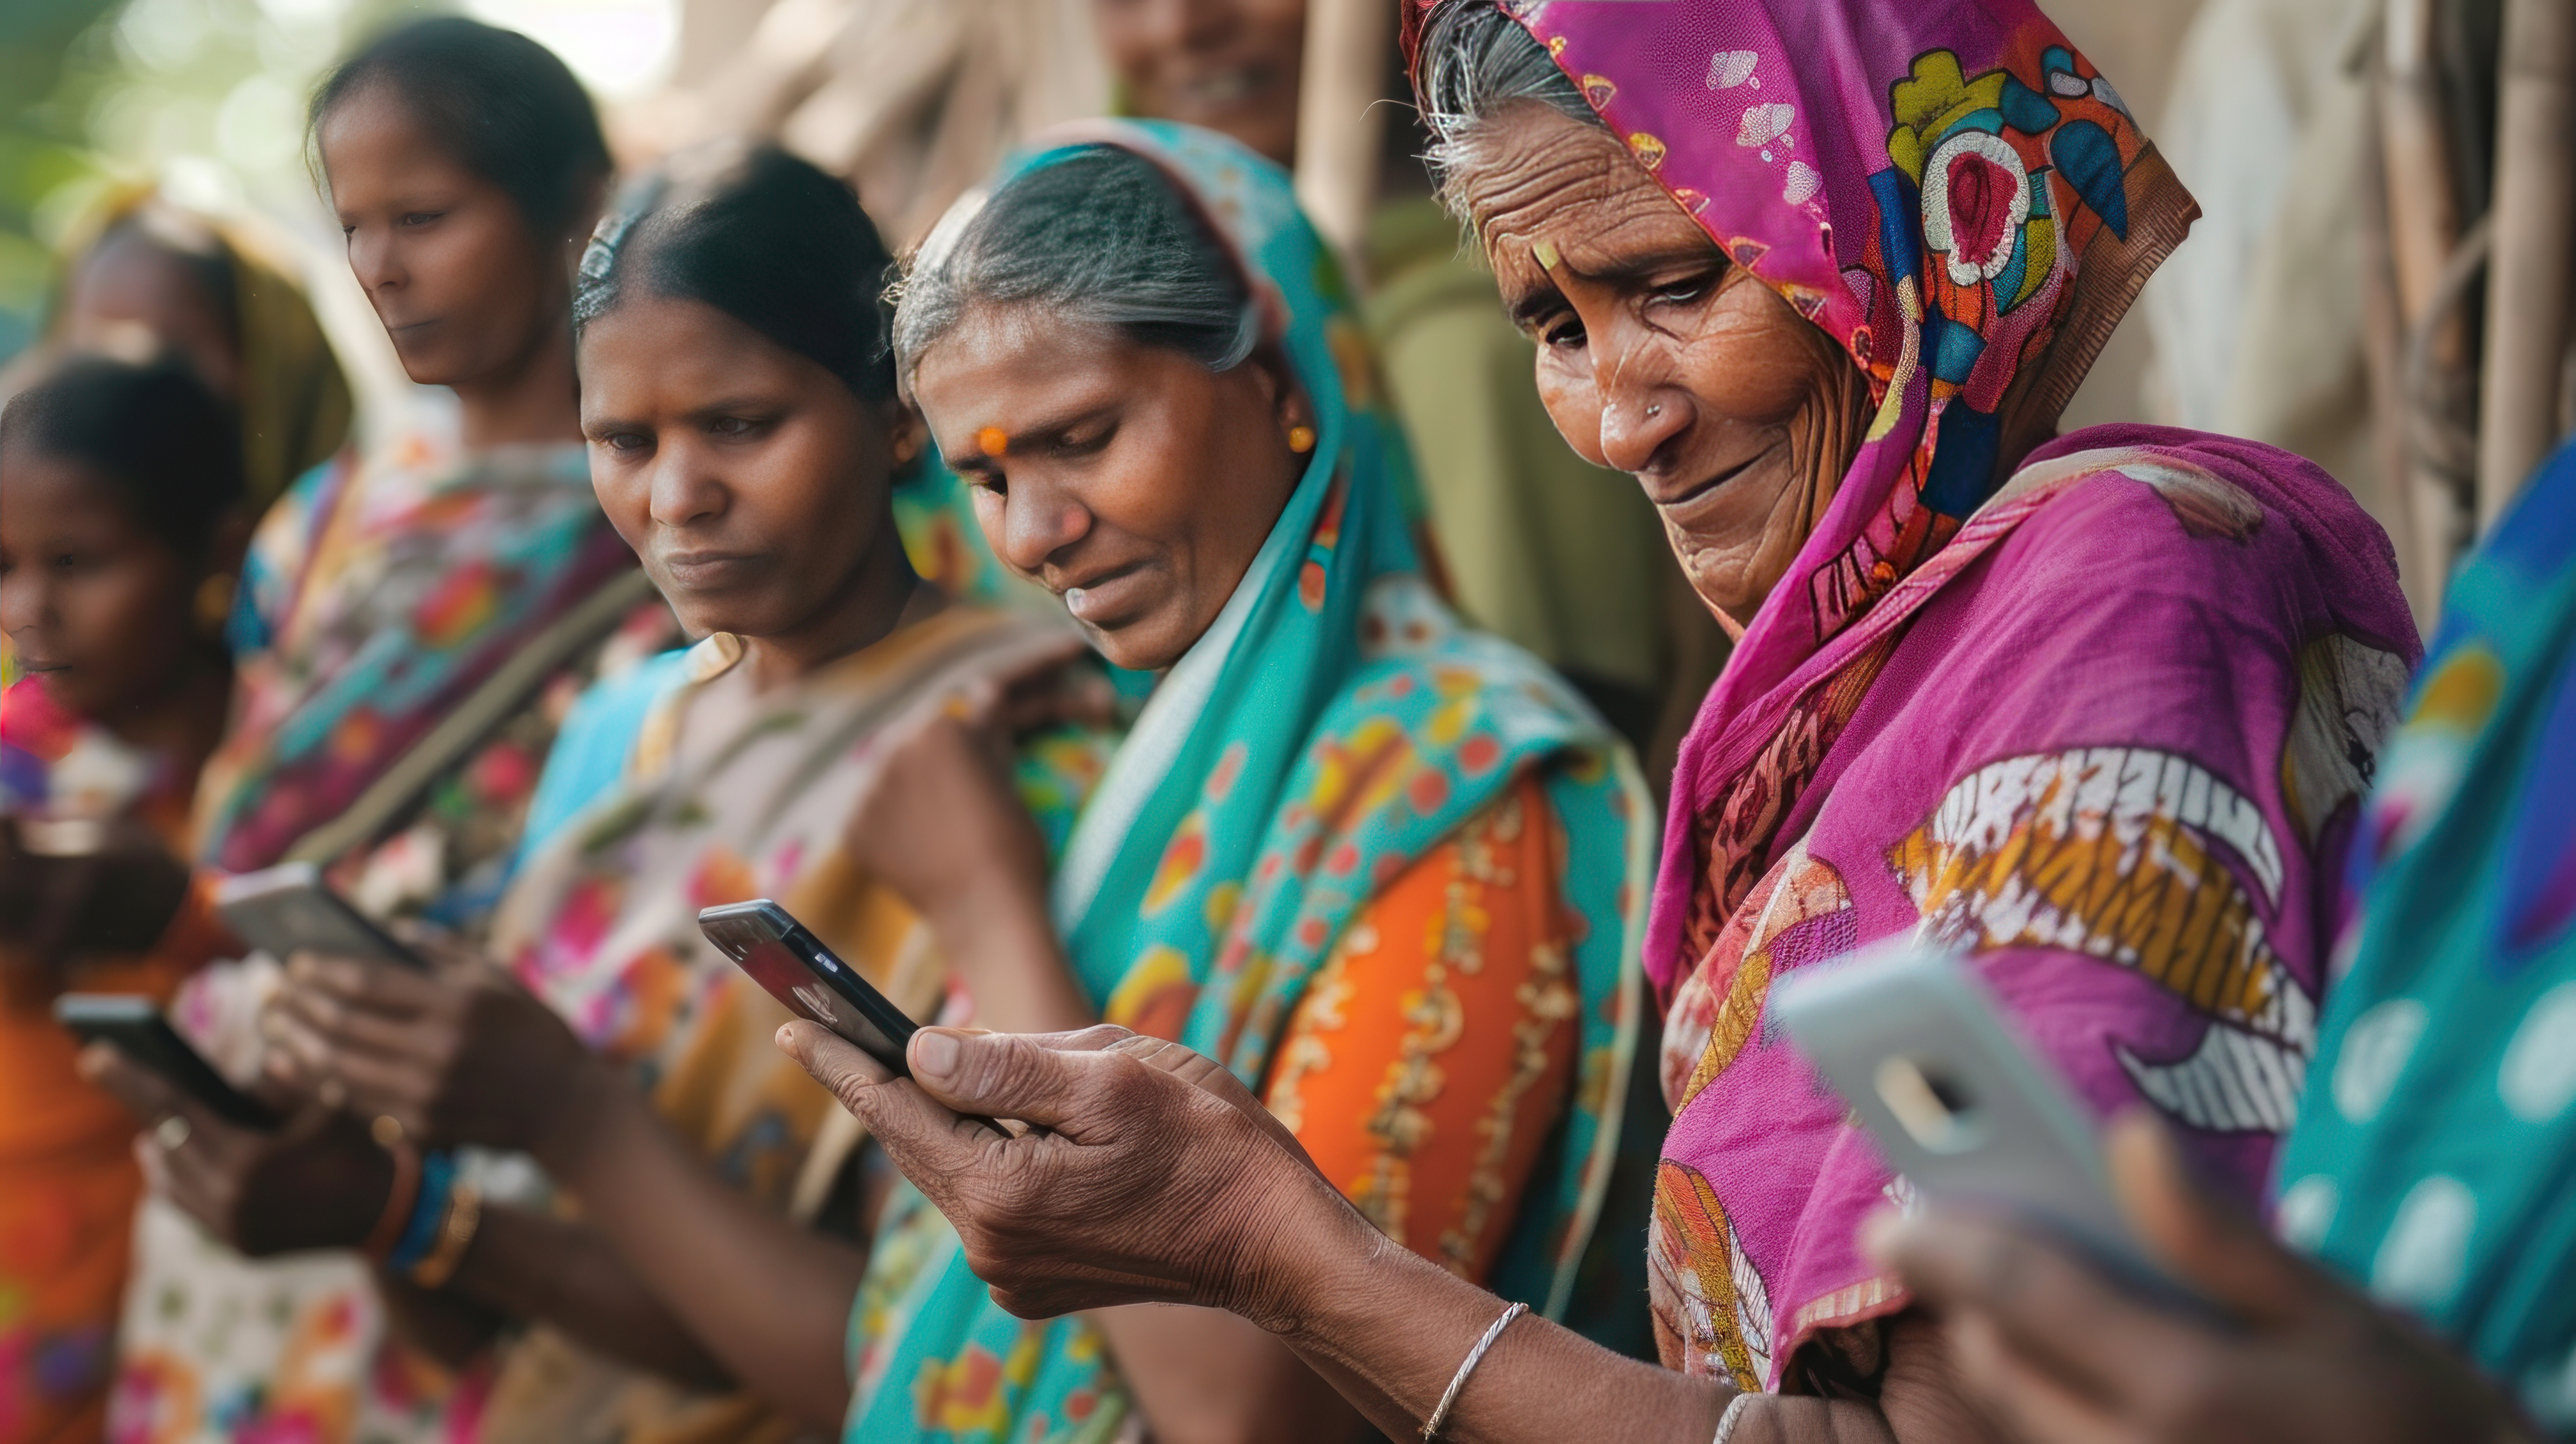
{"points": [[1302, 1245], [565, 1137]]}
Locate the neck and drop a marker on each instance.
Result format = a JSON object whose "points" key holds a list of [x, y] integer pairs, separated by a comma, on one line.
{"points": [[881, 595], [535, 399], [185, 720]]}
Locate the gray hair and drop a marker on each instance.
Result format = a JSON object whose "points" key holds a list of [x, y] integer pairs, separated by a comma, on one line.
{"points": [[1099, 236], [1476, 62]]}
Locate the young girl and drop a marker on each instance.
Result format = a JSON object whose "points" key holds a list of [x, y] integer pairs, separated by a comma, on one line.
{"points": [[121, 531]]}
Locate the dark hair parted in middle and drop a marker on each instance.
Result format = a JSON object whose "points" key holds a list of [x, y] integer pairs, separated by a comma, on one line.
{"points": [[761, 236], [501, 104], [170, 447]]}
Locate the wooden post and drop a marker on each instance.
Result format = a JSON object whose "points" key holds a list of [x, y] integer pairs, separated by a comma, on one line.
{"points": [[2423, 237], [1338, 121], [2529, 278]]}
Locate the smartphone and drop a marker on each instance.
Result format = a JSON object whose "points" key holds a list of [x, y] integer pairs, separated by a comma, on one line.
{"points": [[782, 956], [1919, 1047], [289, 909], [138, 1029]]}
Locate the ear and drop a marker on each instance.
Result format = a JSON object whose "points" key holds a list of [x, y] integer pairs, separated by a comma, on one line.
{"points": [[906, 432], [1280, 391]]}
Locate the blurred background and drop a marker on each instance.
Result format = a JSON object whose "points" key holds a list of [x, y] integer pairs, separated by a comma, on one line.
{"points": [[2309, 310]]}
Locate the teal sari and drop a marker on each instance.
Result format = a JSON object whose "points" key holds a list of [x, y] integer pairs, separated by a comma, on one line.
{"points": [[1333, 725], [2435, 1156]]}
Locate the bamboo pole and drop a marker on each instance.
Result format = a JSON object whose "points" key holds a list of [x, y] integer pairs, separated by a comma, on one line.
{"points": [[1338, 120], [2529, 278], [2423, 234]]}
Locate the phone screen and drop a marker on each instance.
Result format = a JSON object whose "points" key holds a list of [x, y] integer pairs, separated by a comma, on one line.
{"points": [[801, 973]]}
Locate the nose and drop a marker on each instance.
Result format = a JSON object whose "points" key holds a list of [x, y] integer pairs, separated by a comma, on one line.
{"points": [[372, 261], [1038, 521], [1642, 410], [1182, 25], [686, 487]]}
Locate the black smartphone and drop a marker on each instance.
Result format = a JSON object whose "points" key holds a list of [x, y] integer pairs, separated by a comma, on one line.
{"points": [[137, 1028], [766, 942], [289, 908]]}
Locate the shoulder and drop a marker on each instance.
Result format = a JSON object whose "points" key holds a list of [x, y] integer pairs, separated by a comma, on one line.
{"points": [[598, 734]]}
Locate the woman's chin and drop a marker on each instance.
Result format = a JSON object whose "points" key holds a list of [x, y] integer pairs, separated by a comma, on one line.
{"points": [[1136, 646]]}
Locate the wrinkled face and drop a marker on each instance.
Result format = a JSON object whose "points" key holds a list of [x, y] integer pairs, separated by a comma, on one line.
{"points": [[1127, 479], [94, 603], [463, 285], [1659, 358], [1229, 65], [751, 481], [131, 297]]}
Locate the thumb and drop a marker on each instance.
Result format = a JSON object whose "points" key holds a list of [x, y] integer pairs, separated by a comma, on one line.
{"points": [[914, 1128], [2221, 1251], [1011, 1075]]}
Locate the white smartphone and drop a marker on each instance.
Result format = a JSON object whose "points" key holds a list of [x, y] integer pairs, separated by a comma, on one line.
{"points": [[1919, 1047], [289, 908]]}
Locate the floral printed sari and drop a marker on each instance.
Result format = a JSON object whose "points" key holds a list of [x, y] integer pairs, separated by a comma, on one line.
{"points": [[2100, 714], [601, 922], [1333, 729], [411, 629]]}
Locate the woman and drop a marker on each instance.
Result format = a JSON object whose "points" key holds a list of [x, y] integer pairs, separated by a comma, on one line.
{"points": [[738, 395], [2093, 710], [1371, 861], [413, 623], [1538, 547], [121, 530], [152, 276], [2434, 1166]]}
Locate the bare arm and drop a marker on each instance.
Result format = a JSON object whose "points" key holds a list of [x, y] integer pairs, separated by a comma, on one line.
{"points": [[670, 1266], [1157, 1176]]}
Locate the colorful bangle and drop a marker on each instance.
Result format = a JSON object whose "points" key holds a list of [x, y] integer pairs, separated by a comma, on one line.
{"points": [[428, 1211], [399, 1199], [455, 1236]]}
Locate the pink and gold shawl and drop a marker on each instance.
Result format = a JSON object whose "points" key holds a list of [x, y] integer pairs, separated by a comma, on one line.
{"points": [[2096, 709]]}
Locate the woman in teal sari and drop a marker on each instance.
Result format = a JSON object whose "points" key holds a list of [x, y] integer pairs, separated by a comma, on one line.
{"points": [[1388, 871]]}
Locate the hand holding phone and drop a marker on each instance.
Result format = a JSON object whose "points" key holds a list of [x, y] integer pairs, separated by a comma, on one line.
{"points": [[1919, 1047], [783, 957], [137, 1028]]}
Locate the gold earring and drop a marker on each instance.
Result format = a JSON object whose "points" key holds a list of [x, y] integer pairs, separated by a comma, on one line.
{"points": [[214, 603], [1301, 439]]}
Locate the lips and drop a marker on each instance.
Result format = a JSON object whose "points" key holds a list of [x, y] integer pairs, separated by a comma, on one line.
{"points": [[1106, 598], [1689, 492], [707, 571]]}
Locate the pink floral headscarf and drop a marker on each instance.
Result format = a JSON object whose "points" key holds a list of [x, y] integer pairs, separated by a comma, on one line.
{"points": [[1925, 180]]}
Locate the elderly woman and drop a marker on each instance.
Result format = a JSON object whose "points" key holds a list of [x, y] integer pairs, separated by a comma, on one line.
{"points": [[1389, 871], [2096, 710]]}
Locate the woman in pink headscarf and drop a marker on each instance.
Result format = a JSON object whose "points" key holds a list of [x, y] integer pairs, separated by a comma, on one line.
{"points": [[2095, 709]]}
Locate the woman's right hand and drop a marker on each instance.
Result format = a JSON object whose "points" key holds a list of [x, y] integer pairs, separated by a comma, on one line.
{"points": [[317, 1182], [464, 1055], [1151, 1174]]}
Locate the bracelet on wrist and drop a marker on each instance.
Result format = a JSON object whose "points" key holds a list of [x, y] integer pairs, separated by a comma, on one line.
{"points": [[1439, 1419], [455, 1235], [400, 1200], [428, 1212]]}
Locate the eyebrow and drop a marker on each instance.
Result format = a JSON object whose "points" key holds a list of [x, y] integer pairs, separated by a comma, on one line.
{"points": [[1051, 426]]}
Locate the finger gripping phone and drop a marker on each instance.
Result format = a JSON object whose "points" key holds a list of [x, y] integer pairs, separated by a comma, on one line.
{"points": [[783, 957], [137, 1028], [1914, 1041], [289, 909]]}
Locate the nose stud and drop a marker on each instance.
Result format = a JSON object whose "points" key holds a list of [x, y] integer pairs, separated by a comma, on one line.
{"points": [[1654, 409]]}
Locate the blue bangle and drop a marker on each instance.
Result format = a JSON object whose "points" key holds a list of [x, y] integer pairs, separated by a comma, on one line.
{"points": [[437, 1184]]}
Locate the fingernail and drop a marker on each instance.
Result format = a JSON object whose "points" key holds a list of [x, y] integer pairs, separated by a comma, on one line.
{"points": [[934, 1054]]}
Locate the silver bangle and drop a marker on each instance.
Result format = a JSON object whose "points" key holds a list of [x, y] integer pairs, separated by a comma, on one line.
{"points": [[1733, 1416], [1475, 1356]]}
